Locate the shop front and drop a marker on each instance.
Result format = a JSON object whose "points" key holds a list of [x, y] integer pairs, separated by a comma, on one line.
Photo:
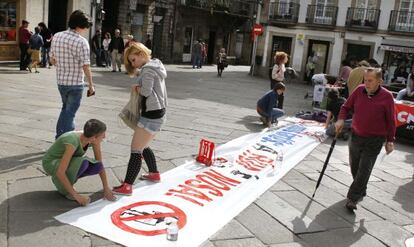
{"points": [[396, 56], [9, 49]]}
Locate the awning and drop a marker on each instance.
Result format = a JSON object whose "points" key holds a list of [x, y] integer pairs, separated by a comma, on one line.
{"points": [[397, 48]]}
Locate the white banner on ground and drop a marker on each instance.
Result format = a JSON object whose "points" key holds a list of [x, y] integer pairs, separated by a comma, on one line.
{"points": [[203, 199]]}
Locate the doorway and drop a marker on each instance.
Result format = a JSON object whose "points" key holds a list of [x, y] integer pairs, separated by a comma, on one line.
{"points": [[110, 21], [211, 47], [280, 43], [158, 20], [358, 52], [318, 51], [58, 17]]}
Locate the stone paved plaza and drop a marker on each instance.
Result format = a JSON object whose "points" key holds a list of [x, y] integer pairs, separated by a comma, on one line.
{"points": [[201, 105]]}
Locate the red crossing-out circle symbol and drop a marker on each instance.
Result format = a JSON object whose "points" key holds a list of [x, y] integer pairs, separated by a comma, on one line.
{"points": [[120, 221]]}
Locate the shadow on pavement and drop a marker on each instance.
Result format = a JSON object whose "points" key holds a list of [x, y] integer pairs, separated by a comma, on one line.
{"points": [[405, 193], [252, 123], [405, 196], [341, 237], [8, 164], [34, 211]]}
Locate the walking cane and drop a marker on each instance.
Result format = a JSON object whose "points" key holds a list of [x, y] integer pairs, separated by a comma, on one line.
{"points": [[326, 163]]}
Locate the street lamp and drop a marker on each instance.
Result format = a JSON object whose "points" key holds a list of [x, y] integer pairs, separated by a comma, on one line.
{"points": [[258, 16]]}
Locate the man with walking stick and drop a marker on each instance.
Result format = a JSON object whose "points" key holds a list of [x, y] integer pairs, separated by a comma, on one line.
{"points": [[373, 124]]}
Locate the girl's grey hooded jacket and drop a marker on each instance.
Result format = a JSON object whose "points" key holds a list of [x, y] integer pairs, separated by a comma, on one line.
{"points": [[152, 82]]}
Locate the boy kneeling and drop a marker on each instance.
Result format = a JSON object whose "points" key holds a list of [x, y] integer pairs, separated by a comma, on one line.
{"points": [[66, 162], [266, 106]]}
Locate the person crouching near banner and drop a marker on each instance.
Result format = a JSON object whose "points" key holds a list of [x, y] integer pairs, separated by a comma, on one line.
{"points": [[373, 123], [66, 162], [151, 86], [266, 105], [333, 107]]}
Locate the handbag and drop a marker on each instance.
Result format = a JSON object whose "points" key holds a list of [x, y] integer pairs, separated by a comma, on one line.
{"points": [[132, 110]]}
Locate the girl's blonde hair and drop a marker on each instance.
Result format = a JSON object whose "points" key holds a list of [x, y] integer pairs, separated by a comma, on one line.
{"points": [[135, 48], [281, 57]]}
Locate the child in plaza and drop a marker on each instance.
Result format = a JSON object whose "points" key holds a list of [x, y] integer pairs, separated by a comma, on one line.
{"points": [[36, 43], [151, 86], [221, 61], [266, 105], [66, 162]]}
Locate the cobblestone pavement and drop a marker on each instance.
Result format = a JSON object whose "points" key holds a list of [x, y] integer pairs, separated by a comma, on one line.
{"points": [[201, 105]]}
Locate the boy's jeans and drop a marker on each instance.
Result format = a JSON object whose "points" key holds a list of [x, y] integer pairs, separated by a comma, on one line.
{"points": [[196, 61], [45, 56], [71, 98], [275, 114]]}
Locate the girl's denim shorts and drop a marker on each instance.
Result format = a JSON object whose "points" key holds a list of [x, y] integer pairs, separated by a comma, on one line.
{"points": [[151, 125]]}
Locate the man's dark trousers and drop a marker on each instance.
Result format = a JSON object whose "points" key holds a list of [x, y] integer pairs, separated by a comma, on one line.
{"points": [[363, 152], [24, 56]]}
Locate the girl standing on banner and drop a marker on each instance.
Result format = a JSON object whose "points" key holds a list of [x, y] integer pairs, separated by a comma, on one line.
{"points": [[151, 86], [278, 74]]}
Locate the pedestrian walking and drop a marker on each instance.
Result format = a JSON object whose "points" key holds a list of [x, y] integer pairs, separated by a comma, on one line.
{"points": [[409, 90], [311, 66], [130, 40], [66, 162], [203, 54], [344, 72], [35, 44], [278, 74], [266, 105], [105, 44], [24, 36], [221, 61], [196, 54], [116, 47], [47, 36], [148, 42], [373, 123], [356, 76], [97, 47], [71, 55], [151, 87]]}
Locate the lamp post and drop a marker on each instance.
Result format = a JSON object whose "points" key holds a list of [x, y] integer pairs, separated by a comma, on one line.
{"points": [[258, 16]]}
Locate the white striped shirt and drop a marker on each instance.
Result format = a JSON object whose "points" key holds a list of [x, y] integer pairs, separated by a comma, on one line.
{"points": [[71, 52]]}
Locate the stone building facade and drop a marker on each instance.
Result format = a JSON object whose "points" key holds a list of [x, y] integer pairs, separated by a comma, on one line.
{"points": [[334, 30], [175, 25], [226, 25], [54, 13]]}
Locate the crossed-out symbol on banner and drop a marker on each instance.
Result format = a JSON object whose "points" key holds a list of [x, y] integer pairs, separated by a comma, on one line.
{"points": [[133, 214]]}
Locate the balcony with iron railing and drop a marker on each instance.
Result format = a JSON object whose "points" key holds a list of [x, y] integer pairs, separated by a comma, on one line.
{"points": [[362, 19], [401, 22], [285, 13], [220, 6], [322, 15]]}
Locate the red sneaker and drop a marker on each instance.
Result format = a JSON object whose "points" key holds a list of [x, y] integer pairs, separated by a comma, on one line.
{"points": [[123, 189], [152, 176]]}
